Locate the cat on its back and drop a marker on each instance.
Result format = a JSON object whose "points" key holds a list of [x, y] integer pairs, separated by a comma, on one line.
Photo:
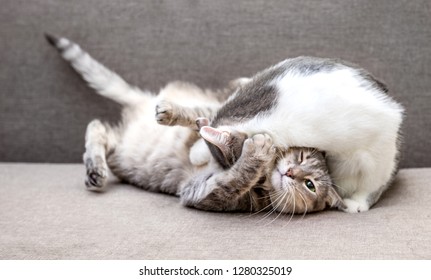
{"points": [[299, 102]]}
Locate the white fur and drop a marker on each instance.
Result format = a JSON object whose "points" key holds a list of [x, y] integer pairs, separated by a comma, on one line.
{"points": [[333, 111], [138, 147], [104, 81], [199, 153]]}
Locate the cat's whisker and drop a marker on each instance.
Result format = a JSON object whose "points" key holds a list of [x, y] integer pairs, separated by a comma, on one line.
{"points": [[263, 209], [278, 199], [268, 213], [251, 201], [293, 209], [260, 198], [305, 203], [280, 212], [286, 198]]}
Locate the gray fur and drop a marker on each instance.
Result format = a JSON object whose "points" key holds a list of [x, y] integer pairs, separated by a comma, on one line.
{"points": [[253, 98], [156, 158], [230, 190], [306, 65], [259, 96], [232, 150], [308, 164], [244, 184]]}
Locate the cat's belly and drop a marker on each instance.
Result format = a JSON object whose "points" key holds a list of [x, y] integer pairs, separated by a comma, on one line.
{"points": [[152, 156]]}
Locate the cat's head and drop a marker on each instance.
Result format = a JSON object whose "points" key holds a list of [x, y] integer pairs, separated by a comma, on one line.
{"points": [[300, 179], [301, 182]]}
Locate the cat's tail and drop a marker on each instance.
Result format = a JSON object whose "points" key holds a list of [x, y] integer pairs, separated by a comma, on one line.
{"points": [[106, 82]]}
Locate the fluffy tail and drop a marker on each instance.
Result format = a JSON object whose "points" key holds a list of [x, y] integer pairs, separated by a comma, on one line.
{"points": [[106, 82]]}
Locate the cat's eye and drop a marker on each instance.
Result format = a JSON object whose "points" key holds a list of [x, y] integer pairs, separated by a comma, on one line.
{"points": [[310, 185], [301, 156]]}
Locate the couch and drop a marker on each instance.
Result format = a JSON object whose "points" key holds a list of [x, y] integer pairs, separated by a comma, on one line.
{"points": [[45, 211]]}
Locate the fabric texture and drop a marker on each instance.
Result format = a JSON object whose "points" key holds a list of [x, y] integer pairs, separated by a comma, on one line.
{"points": [[46, 213], [45, 107]]}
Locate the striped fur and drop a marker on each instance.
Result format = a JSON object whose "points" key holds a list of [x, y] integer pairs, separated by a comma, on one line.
{"points": [[173, 159]]}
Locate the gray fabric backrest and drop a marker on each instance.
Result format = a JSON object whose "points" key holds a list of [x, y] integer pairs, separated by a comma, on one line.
{"points": [[44, 106]]}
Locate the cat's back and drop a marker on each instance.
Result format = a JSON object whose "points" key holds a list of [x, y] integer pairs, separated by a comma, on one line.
{"points": [[308, 66], [330, 85], [304, 82], [299, 99]]}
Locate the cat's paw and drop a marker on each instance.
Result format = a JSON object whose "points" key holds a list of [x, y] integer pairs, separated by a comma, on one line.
{"points": [[353, 206], [165, 113], [97, 173], [260, 146]]}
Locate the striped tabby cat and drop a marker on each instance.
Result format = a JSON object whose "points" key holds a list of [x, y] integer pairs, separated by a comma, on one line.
{"points": [[175, 160]]}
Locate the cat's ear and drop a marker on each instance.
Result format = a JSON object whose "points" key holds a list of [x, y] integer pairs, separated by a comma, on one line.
{"points": [[215, 136], [201, 122], [334, 200], [226, 147]]}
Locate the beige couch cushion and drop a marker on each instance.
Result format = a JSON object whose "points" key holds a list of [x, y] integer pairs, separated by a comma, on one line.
{"points": [[46, 213]]}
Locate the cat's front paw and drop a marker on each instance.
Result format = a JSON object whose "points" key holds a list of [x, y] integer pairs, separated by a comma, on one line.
{"points": [[97, 174], [260, 146], [165, 113]]}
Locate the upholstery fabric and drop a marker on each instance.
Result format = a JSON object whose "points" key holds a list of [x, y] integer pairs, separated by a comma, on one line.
{"points": [[45, 107], [46, 213]]}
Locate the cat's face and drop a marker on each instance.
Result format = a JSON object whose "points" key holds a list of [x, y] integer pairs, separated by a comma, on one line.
{"points": [[300, 178], [301, 182]]}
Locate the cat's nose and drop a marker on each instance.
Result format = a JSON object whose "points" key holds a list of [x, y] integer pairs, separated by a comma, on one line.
{"points": [[289, 173], [295, 172]]}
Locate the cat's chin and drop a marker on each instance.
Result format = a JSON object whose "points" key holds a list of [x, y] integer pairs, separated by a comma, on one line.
{"points": [[279, 180]]}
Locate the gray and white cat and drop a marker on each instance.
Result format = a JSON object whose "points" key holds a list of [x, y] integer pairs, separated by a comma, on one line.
{"points": [[175, 160], [327, 104]]}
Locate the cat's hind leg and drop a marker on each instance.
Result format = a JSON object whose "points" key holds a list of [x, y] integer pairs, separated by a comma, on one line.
{"points": [[356, 204], [362, 201], [100, 140]]}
